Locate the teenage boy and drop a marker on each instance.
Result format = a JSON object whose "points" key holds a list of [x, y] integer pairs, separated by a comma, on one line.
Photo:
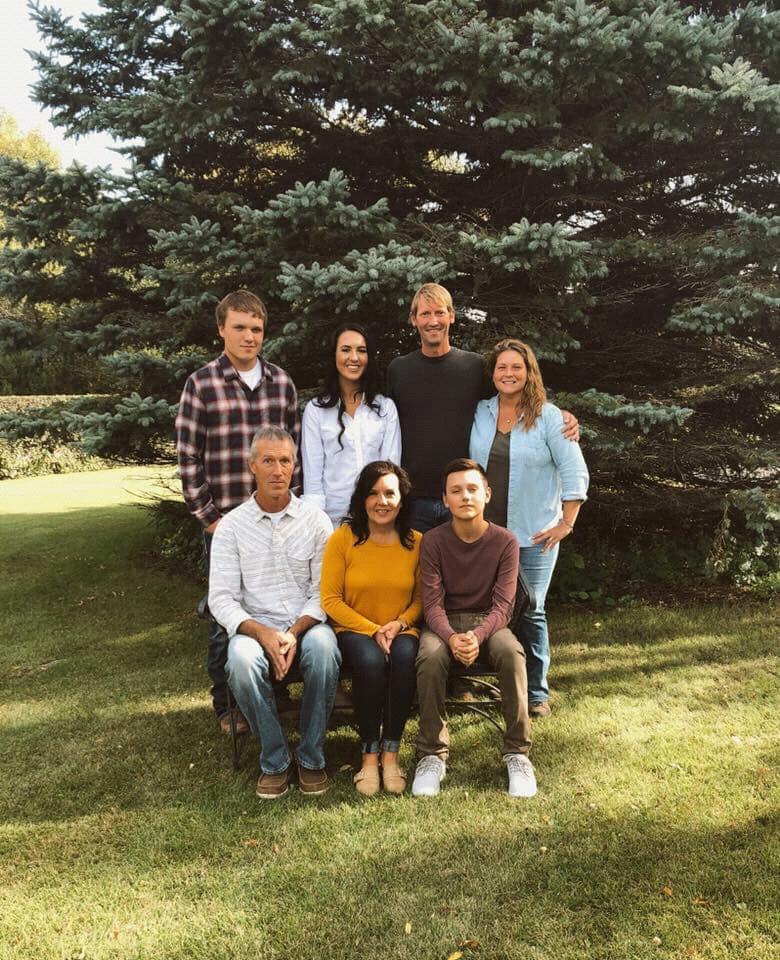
{"points": [[264, 589], [469, 577], [222, 406], [436, 390]]}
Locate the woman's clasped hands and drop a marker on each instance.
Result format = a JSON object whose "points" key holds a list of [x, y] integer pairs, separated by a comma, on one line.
{"points": [[386, 634]]}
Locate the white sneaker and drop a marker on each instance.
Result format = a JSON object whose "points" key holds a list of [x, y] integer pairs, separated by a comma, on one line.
{"points": [[522, 779], [428, 776]]}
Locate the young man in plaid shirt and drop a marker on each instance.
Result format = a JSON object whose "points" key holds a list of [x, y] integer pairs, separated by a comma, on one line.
{"points": [[222, 406]]}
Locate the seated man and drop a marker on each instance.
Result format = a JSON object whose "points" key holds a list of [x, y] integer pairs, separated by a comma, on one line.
{"points": [[264, 588], [469, 577]]}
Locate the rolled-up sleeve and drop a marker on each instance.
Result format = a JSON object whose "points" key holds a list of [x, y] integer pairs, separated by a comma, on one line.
{"points": [[567, 456]]}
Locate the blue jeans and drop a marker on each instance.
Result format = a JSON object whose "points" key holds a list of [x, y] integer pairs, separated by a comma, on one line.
{"points": [[217, 646], [538, 568], [428, 513], [251, 680], [382, 688]]}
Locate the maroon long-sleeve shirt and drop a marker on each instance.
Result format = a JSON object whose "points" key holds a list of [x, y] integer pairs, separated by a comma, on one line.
{"points": [[460, 577]]}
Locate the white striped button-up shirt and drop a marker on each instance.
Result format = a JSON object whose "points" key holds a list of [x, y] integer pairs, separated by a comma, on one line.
{"points": [[268, 571]]}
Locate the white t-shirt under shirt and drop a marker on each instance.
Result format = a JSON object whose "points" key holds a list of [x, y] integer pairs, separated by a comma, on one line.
{"points": [[330, 469], [252, 377]]}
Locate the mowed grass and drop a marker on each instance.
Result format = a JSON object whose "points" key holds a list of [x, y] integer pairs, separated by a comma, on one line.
{"points": [[126, 834]]}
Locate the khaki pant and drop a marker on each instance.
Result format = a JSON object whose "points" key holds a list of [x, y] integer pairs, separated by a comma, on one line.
{"points": [[504, 653]]}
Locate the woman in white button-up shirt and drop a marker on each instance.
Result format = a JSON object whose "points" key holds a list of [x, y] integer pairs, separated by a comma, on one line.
{"points": [[347, 425]]}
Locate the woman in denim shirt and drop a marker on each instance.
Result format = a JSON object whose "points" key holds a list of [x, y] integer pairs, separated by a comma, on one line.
{"points": [[538, 480]]}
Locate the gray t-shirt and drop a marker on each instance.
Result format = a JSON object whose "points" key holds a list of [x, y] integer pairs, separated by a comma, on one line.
{"points": [[436, 398]]}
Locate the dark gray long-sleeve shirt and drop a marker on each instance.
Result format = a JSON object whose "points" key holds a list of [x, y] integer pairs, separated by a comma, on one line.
{"points": [[436, 398]]}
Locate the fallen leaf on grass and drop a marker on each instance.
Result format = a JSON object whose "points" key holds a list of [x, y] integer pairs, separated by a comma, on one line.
{"points": [[250, 842], [456, 955], [275, 848], [469, 944], [407, 928], [115, 931], [656, 941], [545, 818], [542, 849], [667, 891], [700, 901]]}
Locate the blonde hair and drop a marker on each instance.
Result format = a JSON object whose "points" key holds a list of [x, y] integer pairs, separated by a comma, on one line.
{"points": [[434, 292], [534, 395]]}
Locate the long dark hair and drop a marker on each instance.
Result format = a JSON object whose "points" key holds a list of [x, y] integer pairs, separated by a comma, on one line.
{"points": [[330, 393], [357, 518]]}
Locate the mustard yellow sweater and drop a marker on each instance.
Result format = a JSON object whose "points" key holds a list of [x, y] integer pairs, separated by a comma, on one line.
{"points": [[363, 588]]}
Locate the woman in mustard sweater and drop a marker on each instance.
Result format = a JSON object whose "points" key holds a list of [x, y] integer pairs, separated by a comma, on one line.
{"points": [[370, 590]]}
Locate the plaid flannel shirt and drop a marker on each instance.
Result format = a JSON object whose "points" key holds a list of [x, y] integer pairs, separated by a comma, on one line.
{"points": [[218, 416]]}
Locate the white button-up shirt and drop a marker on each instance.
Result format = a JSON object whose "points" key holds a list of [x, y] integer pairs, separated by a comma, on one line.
{"points": [[267, 571], [330, 469]]}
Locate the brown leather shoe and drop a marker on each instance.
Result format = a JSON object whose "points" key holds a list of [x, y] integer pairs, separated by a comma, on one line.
{"points": [[241, 725], [538, 710], [273, 785], [312, 782]]}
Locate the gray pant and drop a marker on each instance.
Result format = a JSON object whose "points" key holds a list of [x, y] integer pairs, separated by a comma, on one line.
{"points": [[502, 651]]}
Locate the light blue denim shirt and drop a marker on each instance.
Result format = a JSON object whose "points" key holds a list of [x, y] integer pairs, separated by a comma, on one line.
{"points": [[544, 468]]}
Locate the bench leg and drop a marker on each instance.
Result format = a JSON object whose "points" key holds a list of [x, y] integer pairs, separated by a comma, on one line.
{"points": [[233, 732]]}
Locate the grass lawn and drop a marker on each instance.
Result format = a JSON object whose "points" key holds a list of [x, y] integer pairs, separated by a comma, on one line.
{"points": [[126, 834]]}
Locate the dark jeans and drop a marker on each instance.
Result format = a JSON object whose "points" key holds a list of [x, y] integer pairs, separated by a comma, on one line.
{"points": [[428, 513], [382, 688], [217, 647]]}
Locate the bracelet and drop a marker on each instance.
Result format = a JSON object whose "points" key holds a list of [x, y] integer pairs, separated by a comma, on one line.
{"points": [[567, 524]]}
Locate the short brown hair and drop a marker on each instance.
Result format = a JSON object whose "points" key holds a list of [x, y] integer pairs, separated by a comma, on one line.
{"points": [[245, 302], [458, 466], [434, 292]]}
